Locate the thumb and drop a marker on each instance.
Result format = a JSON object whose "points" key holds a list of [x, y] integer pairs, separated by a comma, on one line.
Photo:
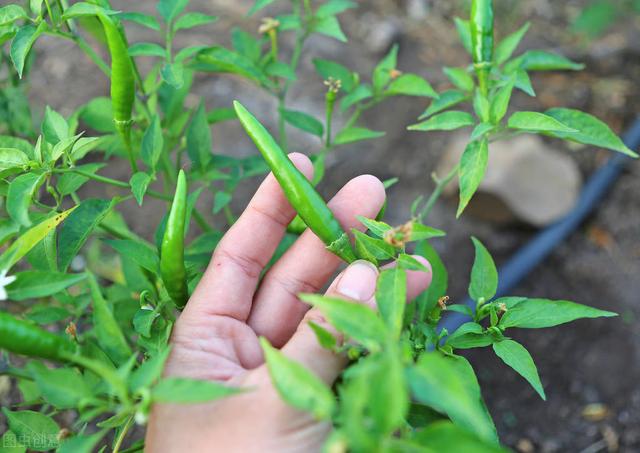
{"points": [[356, 283]]}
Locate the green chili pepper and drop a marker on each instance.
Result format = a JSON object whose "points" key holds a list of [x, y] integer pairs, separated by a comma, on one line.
{"points": [[24, 338], [297, 188], [482, 40], [172, 269], [123, 85]]}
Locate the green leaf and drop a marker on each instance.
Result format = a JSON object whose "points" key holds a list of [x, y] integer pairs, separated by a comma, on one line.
{"points": [[382, 72], [106, 328], [481, 106], [280, 69], [221, 114], [449, 385], [324, 337], [152, 143], [148, 49], [464, 32], [523, 82], [30, 238], [81, 444], [509, 44], [20, 195], [355, 320], [296, 385], [446, 121], [189, 391], [447, 99], [61, 387], [220, 200], [536, 122], [9, 442], [11, 158], [411, 85], [591, 131], [141, 19], [460, 78], [139, 183], [481, 130], [376, 227], [78, 226], [329, 26], [540, 313], [442, 436], [484, 275], [84, 9], [35, 284], [54, 127], [142, 254], [304, 122], [473, 165], [11, 13], [173, 74], [372, 249], [199, 139], [188, 52], [169, 9], [245, 44], [333, 7], [22, 43], [359, 94], [540, 60], [355, 134], [409, 263], [190, 20], [84, 145], [7, 141], [391, 298], [439, 280], [98, 115], [258, 5], [420, 232], [149, 372], [500, 103], [327, 68], [34, 430], [517, 357], [469, 335]]}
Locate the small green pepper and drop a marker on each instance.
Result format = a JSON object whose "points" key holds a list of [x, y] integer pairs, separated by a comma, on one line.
{"points": [[299, 191], [123, 86], [482, 40], [172, 268], [21, 337]]}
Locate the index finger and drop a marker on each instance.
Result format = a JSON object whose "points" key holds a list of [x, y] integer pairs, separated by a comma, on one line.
{"points": [[231, 279]]}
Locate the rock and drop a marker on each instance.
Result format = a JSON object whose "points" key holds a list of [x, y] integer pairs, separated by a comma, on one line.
{"points": [[417, 9], [525, 180], [381, 33]]}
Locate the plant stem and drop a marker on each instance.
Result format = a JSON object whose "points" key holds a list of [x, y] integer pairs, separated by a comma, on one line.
{"points": [[123, 434], [282, 131], [440, 185], [201, 221], [109, 375], [231, 219]]}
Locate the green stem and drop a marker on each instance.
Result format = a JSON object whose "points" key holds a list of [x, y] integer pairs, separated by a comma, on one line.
{"points": [[231, 219], [329, 108], [282, 130], [201, 221], [123, 434], [435, 195]]}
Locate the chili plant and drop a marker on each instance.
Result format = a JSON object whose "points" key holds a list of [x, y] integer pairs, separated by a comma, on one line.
{"points": [[88, 294]]}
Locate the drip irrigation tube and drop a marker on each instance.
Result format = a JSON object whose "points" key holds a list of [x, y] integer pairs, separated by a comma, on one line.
{"points": [[537, 249]]}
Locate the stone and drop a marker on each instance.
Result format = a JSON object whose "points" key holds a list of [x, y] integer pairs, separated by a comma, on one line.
{"points": [[526, 180]]}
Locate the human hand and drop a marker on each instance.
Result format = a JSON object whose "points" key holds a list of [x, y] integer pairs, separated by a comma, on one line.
{"points": [[217, 335]]}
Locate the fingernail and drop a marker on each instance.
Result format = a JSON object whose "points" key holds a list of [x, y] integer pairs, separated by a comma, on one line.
{"points": [[358, 281]]}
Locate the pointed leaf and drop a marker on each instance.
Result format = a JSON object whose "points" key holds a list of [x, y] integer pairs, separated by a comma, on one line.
{"points": [[446, 121], [517, 357], [484, 275], [391, 297], [473, 165], [540, 313]]}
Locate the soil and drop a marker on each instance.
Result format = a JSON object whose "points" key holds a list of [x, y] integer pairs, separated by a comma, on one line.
{"points": [[591, 364]]}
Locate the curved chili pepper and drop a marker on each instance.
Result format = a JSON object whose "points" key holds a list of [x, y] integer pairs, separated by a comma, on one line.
{"points": [[482, 40], [297, 188], [172, 268], [123, 86], [24, 338]]}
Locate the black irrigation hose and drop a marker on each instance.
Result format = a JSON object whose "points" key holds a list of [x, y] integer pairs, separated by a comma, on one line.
{"points": [[538, 248]]}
